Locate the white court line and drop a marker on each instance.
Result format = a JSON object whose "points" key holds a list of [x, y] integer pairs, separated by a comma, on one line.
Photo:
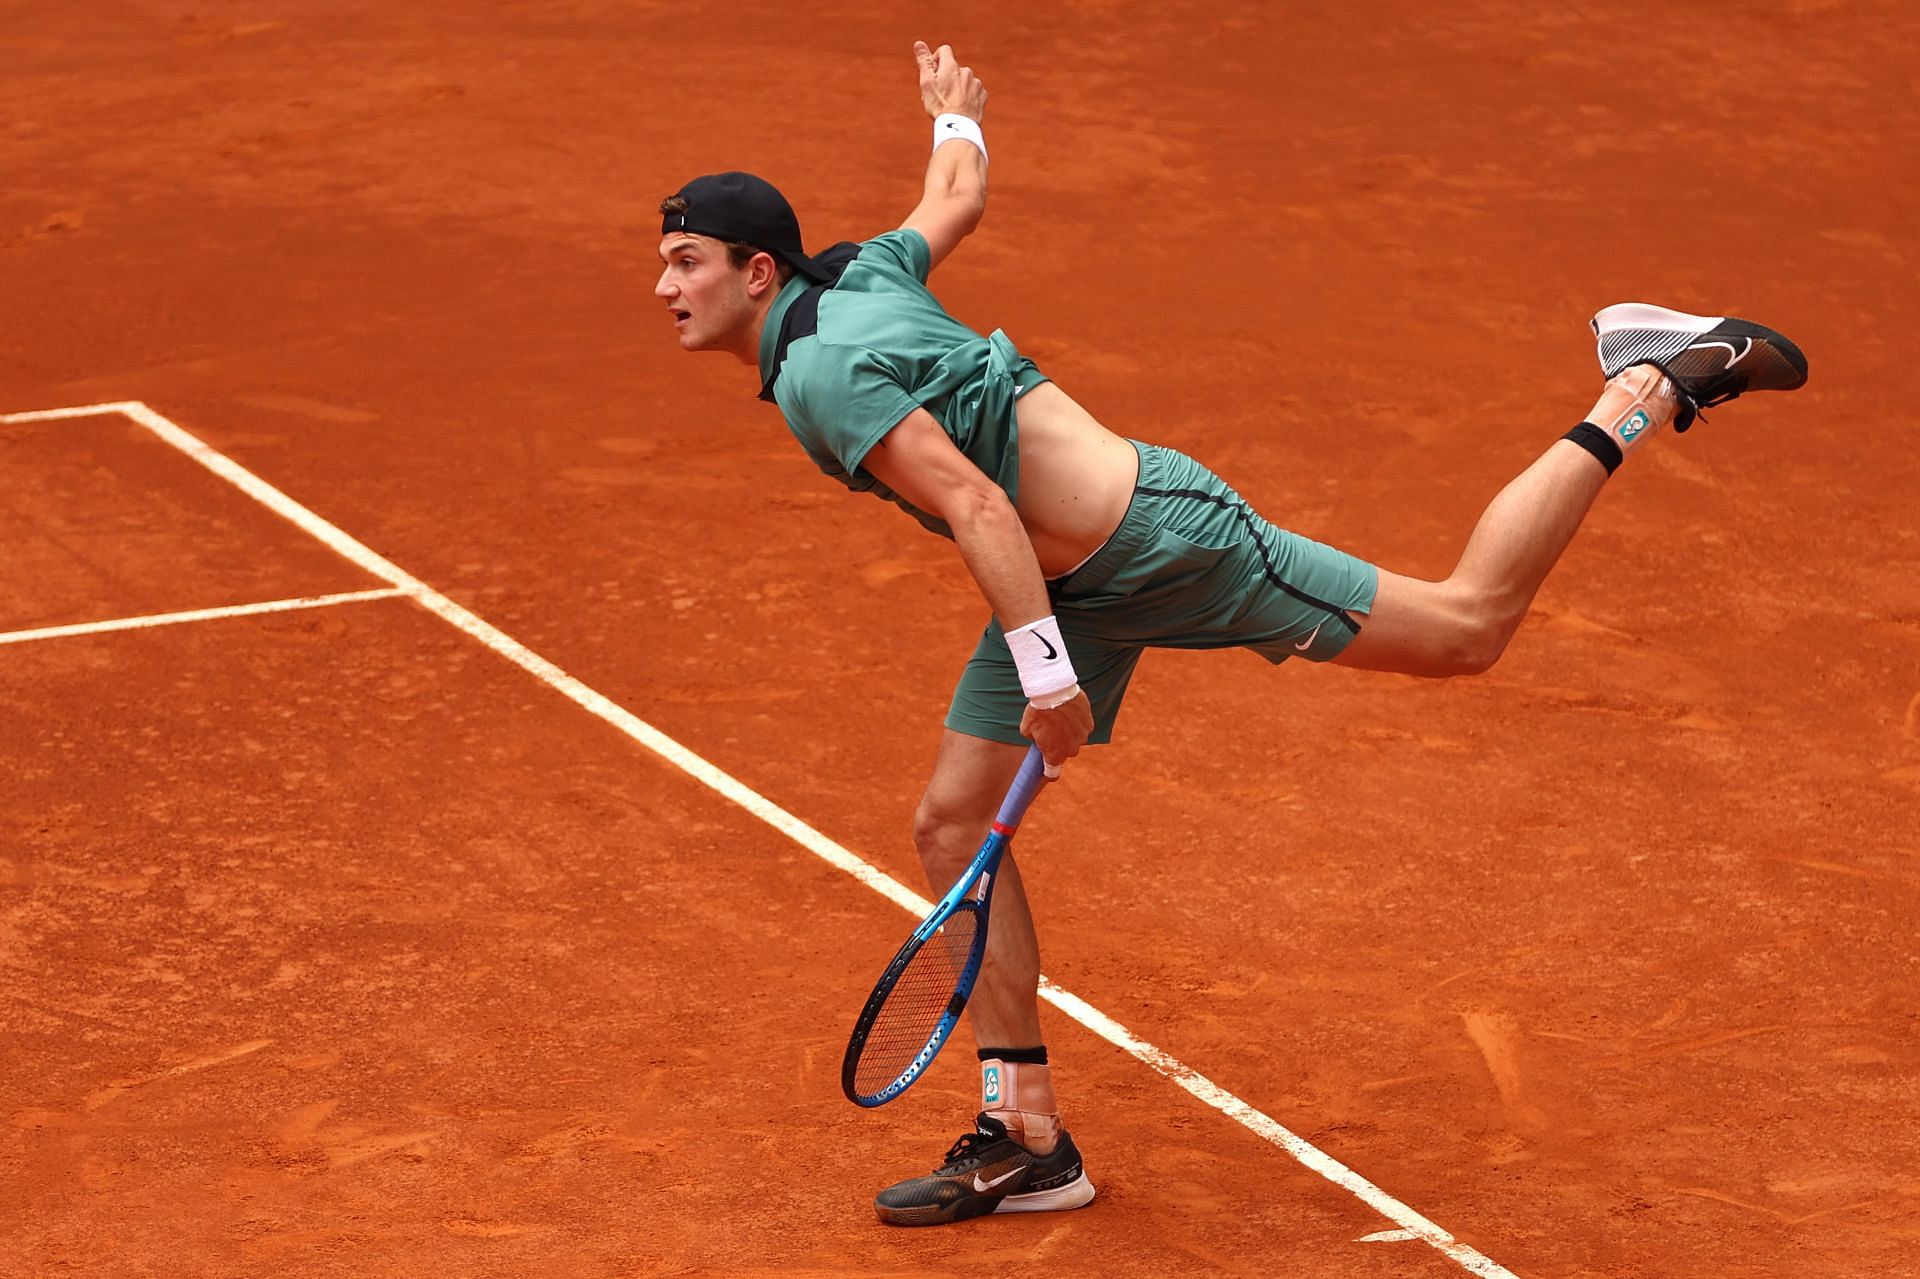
{"points": [[54, 415], [1202, 1088], [196, 615]]}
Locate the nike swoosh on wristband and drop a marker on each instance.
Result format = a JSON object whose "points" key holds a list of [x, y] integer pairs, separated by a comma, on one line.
{"points": [[1052, 652], [984, 1186]]}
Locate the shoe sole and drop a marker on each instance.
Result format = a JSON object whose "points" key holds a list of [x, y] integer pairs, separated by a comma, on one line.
{"points": [[1695, 348], [1077, 1193]]}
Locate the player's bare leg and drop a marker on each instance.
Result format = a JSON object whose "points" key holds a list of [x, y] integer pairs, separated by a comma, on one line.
{"points": [[970, 778], [1461, 625], [1017, 1158]]}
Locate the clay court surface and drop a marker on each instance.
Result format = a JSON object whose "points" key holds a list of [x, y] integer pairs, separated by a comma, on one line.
{"points": [[335, 943]]}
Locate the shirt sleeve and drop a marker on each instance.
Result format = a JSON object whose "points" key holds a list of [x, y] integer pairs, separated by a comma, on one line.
{"points": [[906, 249], [840, 400]]}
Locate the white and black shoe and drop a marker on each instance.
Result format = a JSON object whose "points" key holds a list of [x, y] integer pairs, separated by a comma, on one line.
{"points": [[1710, 359]]}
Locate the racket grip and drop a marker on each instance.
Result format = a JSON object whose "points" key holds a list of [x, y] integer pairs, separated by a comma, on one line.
{"points": [[1033, 774]]}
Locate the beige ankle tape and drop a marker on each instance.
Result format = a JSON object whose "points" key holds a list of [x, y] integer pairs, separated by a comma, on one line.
{"points": [[1653, 406], [1016, 1085], [1020, 1095]]}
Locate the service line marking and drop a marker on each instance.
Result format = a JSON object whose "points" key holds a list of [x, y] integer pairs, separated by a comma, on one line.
{"points": [[1203, 1089], [197, 615]]}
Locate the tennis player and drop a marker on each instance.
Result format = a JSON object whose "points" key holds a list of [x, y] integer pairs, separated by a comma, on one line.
{"points": [[1089, 548]]}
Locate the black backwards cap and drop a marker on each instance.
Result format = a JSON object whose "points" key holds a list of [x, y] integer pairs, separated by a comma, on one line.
{"points": [[741, 207]]}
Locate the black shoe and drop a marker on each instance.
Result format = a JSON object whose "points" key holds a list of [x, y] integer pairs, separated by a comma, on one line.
{"points": [[988, 1171], [1709, 359]]}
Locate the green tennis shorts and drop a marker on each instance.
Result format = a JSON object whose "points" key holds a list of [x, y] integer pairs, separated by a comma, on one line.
{"points": [[1191, 566]]}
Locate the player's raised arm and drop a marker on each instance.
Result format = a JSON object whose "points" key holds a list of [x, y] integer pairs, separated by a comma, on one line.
{"points": [[956, 190]]}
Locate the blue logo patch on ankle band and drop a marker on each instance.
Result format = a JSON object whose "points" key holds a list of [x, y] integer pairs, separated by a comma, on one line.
{"points": [[990, 1085], [1634, 424]]}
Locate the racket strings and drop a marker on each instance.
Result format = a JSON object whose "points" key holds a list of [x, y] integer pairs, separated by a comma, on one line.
{"points": [[919, 1000]]}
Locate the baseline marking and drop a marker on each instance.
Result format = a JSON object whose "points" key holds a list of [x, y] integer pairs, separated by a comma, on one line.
{"points": [[196, 615], [598, 704]]}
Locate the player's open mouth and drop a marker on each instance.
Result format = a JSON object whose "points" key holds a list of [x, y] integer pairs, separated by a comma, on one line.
{"points": [[679, 317]]}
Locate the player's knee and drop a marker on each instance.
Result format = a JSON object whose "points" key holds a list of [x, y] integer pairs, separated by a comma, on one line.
{"points": [[1487, 626], [942, 836], [1479, 656], [1469, 630]]}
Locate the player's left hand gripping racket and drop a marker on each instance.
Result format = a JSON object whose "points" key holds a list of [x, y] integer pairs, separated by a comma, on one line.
{"points": [[918, 999]]}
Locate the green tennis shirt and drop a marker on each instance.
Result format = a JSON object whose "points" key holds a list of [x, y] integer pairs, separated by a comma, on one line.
{"points": [[883, 347]]}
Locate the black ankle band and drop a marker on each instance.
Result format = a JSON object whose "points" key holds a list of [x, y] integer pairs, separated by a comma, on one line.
{"points": [[1597, 442], [1025, 1056]]}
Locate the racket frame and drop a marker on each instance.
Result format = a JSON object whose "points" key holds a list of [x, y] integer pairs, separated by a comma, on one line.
{"points": [[972, 891]]}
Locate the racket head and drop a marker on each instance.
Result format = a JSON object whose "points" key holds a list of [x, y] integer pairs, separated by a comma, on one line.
{"points": [[919, 998]]}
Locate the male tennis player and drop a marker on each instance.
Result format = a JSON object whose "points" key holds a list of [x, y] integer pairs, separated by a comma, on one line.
{"points": [[1089, 548]]}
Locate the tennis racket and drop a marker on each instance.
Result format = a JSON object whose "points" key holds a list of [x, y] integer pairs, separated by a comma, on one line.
{"points": [[919, 998]]}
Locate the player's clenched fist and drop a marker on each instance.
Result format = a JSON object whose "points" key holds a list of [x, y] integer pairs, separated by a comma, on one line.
{"points": [[1061, 732], [946, 86]]}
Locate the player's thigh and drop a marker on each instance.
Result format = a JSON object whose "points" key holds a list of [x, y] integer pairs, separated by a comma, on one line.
{"points": [[1414, 628], [988, 701], [970, 778], [1300, 598]]}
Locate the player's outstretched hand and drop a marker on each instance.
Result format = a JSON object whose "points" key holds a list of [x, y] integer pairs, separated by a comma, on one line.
{"points": [[1060, 732], [946, 86]]}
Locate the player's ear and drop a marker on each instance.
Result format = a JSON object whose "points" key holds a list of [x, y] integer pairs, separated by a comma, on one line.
{"points": [[763, 273]]}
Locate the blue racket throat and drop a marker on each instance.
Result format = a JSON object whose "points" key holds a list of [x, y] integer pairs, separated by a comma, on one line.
{"points": [[919, 998]]}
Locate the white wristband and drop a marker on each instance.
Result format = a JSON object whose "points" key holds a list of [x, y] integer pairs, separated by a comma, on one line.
{"points": [[950, 125], [1054, 701], [1041, 656]]}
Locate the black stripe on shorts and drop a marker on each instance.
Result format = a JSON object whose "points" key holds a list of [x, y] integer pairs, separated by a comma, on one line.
{"points": [[1241, 513]]}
